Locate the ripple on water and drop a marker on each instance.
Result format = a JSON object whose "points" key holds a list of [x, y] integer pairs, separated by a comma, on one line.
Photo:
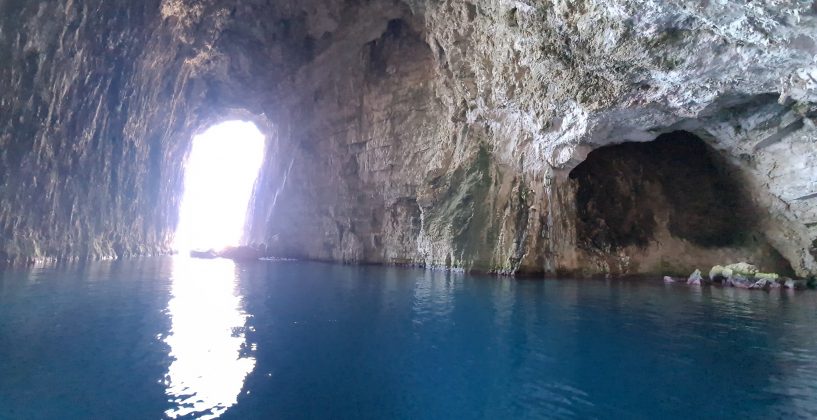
{"points": [[160, 338]]}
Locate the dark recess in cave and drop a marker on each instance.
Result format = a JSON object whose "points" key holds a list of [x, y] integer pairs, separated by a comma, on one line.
{"points": [[397, 34], [624, 189]]}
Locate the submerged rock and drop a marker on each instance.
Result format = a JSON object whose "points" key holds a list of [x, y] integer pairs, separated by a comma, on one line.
{"points": [[695, 278]]}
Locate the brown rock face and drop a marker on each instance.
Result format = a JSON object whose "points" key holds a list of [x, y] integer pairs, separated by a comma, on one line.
{"points": [[441, 133], [665, 206]]}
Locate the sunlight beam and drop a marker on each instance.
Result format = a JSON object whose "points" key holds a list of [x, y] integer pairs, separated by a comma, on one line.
{"points": [[220, 175]]}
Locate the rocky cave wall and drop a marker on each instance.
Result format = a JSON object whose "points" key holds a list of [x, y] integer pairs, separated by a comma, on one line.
{"points": [[666, 205], [458, 154], [438, 133], [83, 170]]}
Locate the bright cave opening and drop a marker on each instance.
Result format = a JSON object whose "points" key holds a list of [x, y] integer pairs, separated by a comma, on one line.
{"points": [[667, 206], [219, 179]]}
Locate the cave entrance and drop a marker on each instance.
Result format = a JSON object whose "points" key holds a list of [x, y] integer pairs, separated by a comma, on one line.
{"points": [[666, 206], [219, 178]]}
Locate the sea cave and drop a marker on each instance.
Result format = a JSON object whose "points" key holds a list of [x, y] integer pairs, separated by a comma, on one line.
{"points": [[408, 209]]}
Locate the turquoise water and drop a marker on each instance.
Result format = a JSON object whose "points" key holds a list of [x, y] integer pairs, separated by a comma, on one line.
{"points": [[185, 338]]}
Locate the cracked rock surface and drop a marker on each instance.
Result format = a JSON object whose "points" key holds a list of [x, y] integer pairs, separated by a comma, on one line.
{"points": [[430, 132]]}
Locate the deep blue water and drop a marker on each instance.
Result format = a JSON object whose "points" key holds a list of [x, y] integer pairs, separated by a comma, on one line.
{"points": [[184, 338]]}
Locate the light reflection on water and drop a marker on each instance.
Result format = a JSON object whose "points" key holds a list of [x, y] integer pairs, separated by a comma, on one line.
{"points": [[207, 341], [372, 342]]}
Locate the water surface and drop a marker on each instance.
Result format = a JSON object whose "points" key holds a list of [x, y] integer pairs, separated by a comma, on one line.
{"points": [[181, 338]]}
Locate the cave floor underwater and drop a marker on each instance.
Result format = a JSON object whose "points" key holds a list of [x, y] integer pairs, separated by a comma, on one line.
{"points": [[183, 338]]}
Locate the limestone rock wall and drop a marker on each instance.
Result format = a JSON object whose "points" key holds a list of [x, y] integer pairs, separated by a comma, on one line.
{"points": [[554, 80], [510, 96], [82, 167], [432, 132]]}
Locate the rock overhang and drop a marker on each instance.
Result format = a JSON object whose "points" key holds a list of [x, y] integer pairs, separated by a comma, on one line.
{"points": [[537, 85]]}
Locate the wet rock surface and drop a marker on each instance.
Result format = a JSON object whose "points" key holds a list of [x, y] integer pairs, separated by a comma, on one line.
{"points": [[745, 276], [438, 133], [695, 278], [235, 253]]}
